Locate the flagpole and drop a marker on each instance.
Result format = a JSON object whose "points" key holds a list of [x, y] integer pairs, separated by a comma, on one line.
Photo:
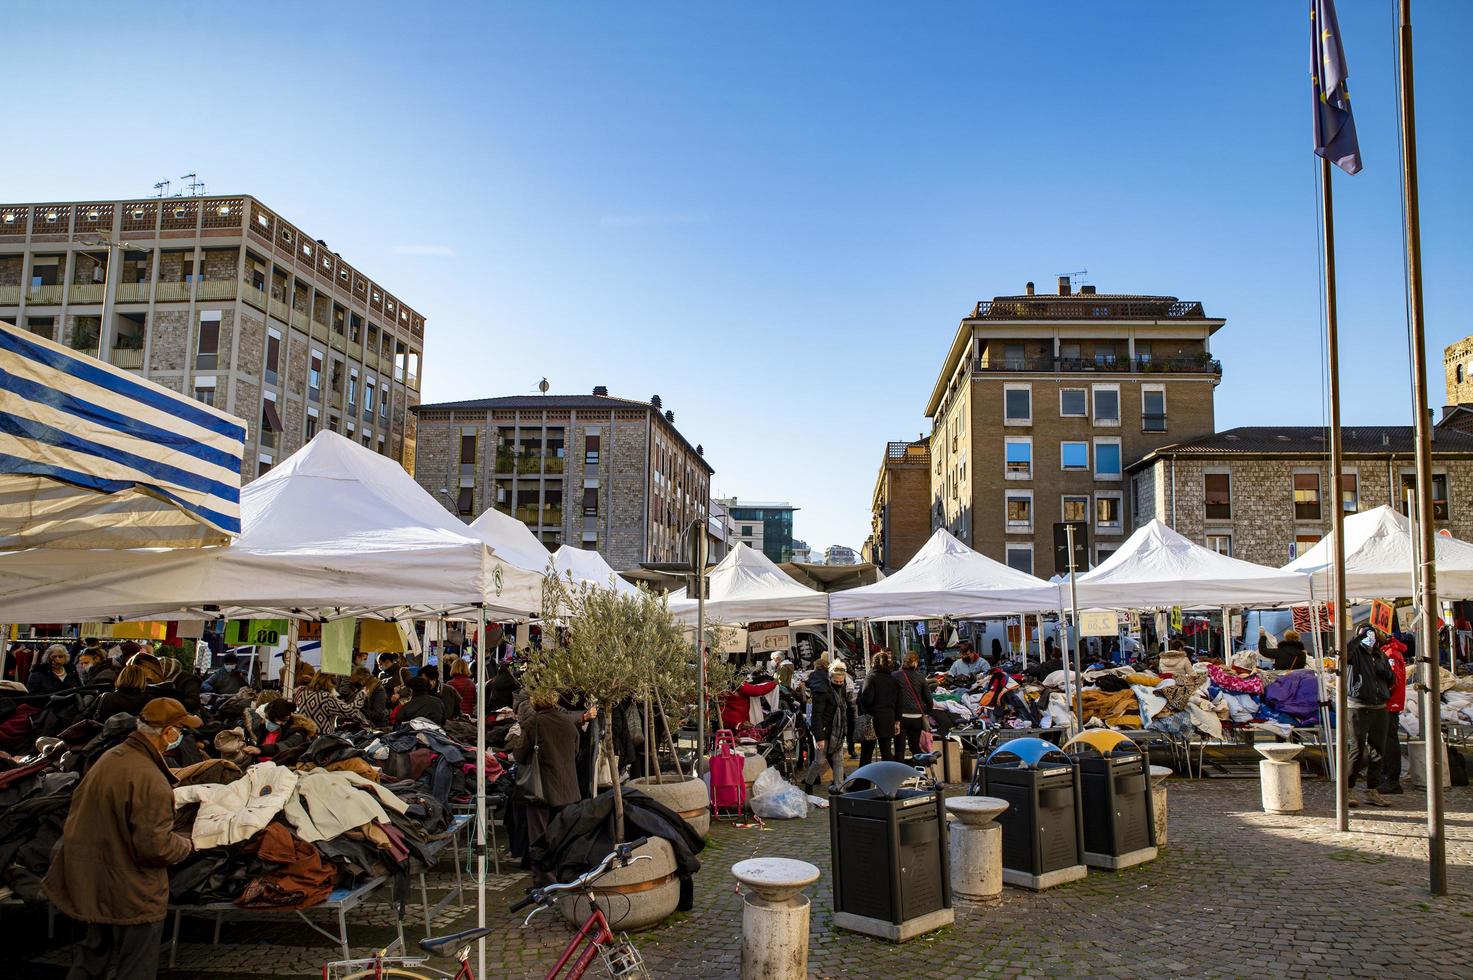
{"points": [[1428, 638], [1337, 507]]}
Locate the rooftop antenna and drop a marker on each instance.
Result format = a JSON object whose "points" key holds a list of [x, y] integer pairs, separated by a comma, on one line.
{"points": [[543, 386], [162, 187], [1079, 278], [196, 186]]}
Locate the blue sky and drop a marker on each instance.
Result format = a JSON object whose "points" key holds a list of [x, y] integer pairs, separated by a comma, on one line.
{"points": [[773, 215]]}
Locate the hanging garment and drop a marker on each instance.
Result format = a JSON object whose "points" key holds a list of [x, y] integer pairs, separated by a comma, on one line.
{"points": [[233, 812]]}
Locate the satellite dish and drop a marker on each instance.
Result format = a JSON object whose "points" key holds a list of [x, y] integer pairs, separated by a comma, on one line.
{"points": [[542, 386]]}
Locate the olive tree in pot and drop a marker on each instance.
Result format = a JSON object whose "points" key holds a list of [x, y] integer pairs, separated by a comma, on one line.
{"points": [[611, 647]]}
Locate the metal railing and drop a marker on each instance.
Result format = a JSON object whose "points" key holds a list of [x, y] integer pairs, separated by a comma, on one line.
{"points": [[88, 292], [216, 289], [9, 295], [43, 295], [127, 357], [132, 292], [1084, 306], [1101, 365]]}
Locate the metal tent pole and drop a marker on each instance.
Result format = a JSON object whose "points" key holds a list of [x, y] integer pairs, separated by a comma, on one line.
{"points": [[1074, 607], [481, 787]]}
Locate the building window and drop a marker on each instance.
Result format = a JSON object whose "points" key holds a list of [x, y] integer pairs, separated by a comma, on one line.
{"points": [[1073, 403], [1103, 553], [1439, 493], [591, 443], [1350, 492], [465, 501], [273, 356], [1019, 458], [207, 351], [352, 389], [368, 399], [314, 377], [270, 419], [1020, 557], [746, 530], [1107, 404], [1217, 495], [468, 449], [264, 464], [1107, 511], [1074, 455], [204, 390], [1017, 401], [590, 501], [1075, 509], [1302, 544], [312, 422], [1306, 496], [1221, 543], [1020, 510], [1153, 408], [1107, 459]]}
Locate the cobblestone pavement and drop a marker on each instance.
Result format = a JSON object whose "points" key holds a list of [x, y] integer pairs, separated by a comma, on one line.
{"points": [[1236, 893]]}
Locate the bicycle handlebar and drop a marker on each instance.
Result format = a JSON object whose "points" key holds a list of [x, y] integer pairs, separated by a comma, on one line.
{"points": [[531, 897], [622, 853]]}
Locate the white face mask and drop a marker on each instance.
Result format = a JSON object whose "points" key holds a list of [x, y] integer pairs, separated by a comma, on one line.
{"points": [[178, 737]]}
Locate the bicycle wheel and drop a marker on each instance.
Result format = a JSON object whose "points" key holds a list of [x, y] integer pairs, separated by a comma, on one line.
{"points": [[393, 971]]}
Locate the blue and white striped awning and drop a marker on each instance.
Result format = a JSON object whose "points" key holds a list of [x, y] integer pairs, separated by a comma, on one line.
{"points": [[94, 457]]}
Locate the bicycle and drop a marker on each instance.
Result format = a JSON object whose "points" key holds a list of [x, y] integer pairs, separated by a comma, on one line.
{"points": [[619, 956]]}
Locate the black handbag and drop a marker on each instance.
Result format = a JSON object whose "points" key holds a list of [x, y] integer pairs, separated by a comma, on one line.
{"points": [[529, 777]]}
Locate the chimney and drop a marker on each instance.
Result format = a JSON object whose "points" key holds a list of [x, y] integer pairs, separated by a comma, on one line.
{"points": [[601, 390], [1029, 287], [670, 417], [1086, 290], [700, 450], [1063, 285], [655, 400]]}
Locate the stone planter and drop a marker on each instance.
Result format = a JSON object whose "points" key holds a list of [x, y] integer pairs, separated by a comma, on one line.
{"points": [[687, 797], [635, 897]]}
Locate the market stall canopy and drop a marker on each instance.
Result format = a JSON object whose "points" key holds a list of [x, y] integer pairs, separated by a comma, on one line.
{"points": [[747, 587], [336, 530], [1156, 567], [511, 540], [1378, 559], [946, 578], [589, 566], [94, 457], [831, 578]]}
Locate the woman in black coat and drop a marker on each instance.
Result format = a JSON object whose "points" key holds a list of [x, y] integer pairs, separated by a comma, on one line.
{"points": [[880, 699], [915, 703]]}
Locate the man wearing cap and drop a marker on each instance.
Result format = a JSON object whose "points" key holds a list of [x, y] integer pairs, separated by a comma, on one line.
{"points": [[110, 869]]}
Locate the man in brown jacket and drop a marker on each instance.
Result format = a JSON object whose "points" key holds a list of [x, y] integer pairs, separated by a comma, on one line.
{"points": [[110, 869]]}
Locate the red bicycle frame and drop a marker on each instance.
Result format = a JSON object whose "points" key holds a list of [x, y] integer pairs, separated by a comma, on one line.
{"points": [[597, 932]]}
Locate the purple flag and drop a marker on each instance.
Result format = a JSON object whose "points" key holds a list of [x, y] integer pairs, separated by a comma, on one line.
{"points": [[1334, 126]]}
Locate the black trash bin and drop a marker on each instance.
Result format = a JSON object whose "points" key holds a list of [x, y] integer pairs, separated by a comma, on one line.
{"points": [[890, 855], [1115, 794], [1042, 837]]}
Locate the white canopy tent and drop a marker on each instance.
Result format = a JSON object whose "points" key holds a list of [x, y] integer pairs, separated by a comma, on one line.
{"points": [[1378, 559], [946, 578], [335, 531], [511, 540], [589, 566], [747, 587], [1157, 567]]}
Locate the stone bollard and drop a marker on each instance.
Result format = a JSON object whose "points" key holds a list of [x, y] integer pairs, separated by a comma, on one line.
{"points": [[1158, 801], [976, 846], [1278, 774], [775, 917], [1415, 756]]}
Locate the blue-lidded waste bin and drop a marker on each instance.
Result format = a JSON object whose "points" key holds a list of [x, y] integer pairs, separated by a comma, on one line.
{"points": [[1042, 837]]}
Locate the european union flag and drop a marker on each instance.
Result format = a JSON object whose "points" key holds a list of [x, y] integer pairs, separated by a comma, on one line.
{"points": [[1334, 126]]}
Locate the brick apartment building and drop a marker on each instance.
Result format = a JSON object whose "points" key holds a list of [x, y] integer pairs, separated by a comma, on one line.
{"points": [[223, 299], [612, 475], [1263, 493], [1043, 401], [900, 508]]}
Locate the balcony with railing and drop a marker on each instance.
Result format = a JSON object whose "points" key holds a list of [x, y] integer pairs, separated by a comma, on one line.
{"points": [[254, 295], [132, 292], [85, 292], [1100, 363], [130, 358], [527, 513], [172, 292], [9, 295], [506, 460], [216, 289], [45, 295], [1088, 306]]}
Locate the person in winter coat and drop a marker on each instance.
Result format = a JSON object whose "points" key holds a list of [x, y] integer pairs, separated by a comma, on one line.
{"points": [[228, 679], [880, 699], [1289, 654], [52, 673], [179, 684], [914, 702], [549, 739], [110, 869], [1368, 682], [129, 694], [1396, 700], [369, 697], [422, 703], [460, 682], [503, 688], [94, 669], [830, 724], [281, 733], [447, 696], [321, 703]]}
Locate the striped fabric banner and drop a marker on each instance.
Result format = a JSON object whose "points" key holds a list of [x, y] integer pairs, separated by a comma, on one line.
{"points": [[94, 457]]}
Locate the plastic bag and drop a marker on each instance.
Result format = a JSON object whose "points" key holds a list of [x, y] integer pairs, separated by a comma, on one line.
{"points": [[774, 798]]}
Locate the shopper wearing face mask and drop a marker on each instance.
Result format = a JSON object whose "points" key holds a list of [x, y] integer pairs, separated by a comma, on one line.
{"points": [[110, 869], [1368, 680]]}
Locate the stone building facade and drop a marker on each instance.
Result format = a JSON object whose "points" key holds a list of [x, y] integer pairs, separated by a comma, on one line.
{"points": [[1457, 363], [1042, 402], [608, 474], [1264, 494], [222, 299], [900, 508]]}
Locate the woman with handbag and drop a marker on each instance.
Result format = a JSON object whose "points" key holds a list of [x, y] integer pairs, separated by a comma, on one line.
{"points": [[879, 702], [547, 763], [914, 704]]}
